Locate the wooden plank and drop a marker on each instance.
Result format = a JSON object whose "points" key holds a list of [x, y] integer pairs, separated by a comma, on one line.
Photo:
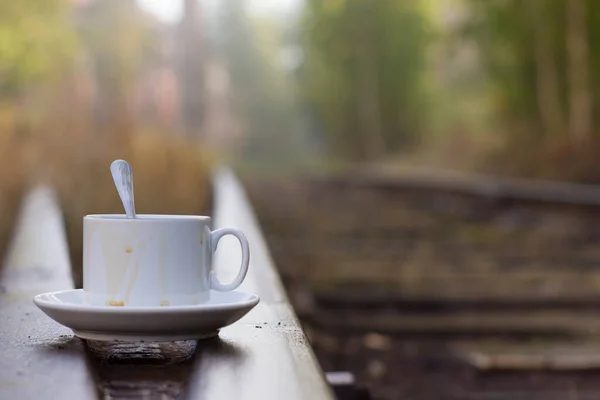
{"points": [[232, 209], [369, 298], [512, 323], [550, 356], [266, 355], [477, 185], [263, 356], [535, 362], [39, 359]]}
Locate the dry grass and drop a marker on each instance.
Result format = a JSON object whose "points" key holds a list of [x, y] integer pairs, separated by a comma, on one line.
{"points": [[170, 175], [12, 184]]}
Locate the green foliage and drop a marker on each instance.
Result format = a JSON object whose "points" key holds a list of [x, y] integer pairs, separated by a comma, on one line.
{"points": [[531, 55], [120, 42], [503, 31], [262, 93], [594, 38], [502, 34], [362, 54], [37, 40], [119, 37]]}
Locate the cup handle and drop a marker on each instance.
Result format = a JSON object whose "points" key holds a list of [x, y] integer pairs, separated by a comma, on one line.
{"points": [[215, 236]]}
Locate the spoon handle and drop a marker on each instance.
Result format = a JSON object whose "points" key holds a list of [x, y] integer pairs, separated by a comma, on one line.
{"points": [[123, 177]]}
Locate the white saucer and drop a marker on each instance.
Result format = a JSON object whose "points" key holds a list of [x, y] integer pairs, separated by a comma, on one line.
{"points": [[158, 324]]}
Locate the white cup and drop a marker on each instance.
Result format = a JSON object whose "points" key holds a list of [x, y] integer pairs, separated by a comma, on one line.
{"points": [[153, 260]]}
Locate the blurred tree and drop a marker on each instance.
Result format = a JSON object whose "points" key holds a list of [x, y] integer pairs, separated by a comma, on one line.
{"points": [[191, 67], [119, 39], [578, 69], [503, 36], [36, 42], [541, 58], [543, 25], [263, 99], [363, 70]]}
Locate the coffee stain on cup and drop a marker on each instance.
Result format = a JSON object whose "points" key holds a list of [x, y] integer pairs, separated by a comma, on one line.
{"points": [[207, 254], [164, 303], [129, 276], [113, 303], [128, 250], [162, 266], [133, 278], [114, 257]]}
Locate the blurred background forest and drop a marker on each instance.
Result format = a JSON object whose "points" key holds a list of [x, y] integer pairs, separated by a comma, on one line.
{"points": [[285, 89], [276, 87], [279, 87], [505, 86]]}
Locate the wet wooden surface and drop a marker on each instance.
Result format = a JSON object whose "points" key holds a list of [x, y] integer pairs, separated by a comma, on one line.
{"points": [[263, 356], [273, 359], [37, 356]]}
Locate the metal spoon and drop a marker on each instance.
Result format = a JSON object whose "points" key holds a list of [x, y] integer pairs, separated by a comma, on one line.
{"points": [[123, 178]]}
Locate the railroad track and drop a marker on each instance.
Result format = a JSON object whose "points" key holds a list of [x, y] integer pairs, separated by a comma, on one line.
{"points": [[416, 319], [482, 186], [424, 252], [388, 273], [424, 235]]}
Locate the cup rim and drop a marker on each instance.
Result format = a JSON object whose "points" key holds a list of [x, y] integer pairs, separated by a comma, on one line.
{"points": [[147, 217]]}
